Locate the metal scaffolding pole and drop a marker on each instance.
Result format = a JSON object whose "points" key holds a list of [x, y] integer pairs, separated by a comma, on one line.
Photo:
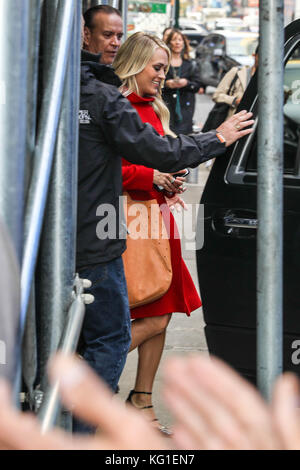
{"points": [[125, 17], [45, 148], [51, 404], [56, 267], [270, 163], [33, 67], [13, 96], [29, 343]]}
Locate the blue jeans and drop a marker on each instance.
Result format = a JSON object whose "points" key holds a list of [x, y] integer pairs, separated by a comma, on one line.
{"points": [[106, 332]]}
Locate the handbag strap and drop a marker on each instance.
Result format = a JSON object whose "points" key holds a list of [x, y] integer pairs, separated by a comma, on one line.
{"points": [[233, 82]]}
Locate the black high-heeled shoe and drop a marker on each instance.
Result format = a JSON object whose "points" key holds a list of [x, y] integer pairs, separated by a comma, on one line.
{"points": [[163, 429]]}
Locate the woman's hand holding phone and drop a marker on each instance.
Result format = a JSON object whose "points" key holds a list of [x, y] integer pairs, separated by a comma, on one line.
{"points": [[167, 181]]}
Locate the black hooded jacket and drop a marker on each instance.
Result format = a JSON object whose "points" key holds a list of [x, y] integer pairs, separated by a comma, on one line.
{"points": [[109, 129]]}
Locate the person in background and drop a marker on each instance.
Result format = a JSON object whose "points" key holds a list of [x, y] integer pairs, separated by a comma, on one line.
{"points": [[166, 33], [181, 85], [103, 32], [142, 63], [233, 85]]}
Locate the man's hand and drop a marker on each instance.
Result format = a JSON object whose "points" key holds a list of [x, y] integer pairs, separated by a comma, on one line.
{"points": [[235, 127]]}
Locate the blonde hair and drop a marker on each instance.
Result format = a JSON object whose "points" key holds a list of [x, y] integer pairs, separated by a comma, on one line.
{"points": [[131, 59]]}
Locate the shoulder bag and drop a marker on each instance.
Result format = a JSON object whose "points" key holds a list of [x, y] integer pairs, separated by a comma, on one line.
{"points": [[147, 259]]}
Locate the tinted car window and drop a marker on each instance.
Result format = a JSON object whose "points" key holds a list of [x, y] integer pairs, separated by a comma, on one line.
{"points": [[291, 112], [243, 165]]}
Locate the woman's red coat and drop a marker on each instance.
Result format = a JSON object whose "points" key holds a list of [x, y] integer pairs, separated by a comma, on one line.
{"points": [[138, 181]]}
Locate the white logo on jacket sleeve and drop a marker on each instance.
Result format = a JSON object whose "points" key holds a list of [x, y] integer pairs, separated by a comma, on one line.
{"points": [[84, 116]]}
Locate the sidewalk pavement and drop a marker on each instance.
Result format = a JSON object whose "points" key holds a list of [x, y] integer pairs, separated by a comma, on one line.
{"points": [[185, 335]]}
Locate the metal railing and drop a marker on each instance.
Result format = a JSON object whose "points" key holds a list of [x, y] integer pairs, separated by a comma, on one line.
{"points": [[51, 404]]}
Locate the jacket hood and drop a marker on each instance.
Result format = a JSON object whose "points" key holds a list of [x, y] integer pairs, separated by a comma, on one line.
{"points": [[87, 56], [90, 67]]}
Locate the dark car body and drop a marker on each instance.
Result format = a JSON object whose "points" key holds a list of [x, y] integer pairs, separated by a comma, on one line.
{"points": [[227, 261]]}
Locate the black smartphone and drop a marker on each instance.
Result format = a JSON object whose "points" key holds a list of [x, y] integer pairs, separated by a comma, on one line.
{"points": [[161, 188], [183, 175]]}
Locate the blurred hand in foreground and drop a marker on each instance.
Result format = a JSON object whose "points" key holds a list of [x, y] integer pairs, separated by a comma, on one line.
{"points": [[213, 406]]}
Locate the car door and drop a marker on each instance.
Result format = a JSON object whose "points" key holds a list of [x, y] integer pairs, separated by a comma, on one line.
{"points": [[227, 261]]}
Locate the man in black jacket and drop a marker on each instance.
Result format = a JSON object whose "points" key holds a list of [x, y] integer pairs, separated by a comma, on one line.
{"points": [[111, 128]]}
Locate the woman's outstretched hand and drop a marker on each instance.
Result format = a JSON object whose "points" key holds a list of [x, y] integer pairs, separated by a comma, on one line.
{"points": [[175, 202]]}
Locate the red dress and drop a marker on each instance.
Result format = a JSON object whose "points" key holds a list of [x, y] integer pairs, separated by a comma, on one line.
{"points": [[138, 181]]}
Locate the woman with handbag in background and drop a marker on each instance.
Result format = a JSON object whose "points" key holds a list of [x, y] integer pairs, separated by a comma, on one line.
{"points": [[181, 85], [229, 93], [142, 63]]}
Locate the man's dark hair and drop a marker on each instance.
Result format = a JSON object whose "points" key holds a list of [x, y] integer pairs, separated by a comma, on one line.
{"points": [[91, 12]]}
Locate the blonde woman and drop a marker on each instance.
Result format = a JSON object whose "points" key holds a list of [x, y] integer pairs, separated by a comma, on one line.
{"points": [[142, 63]]}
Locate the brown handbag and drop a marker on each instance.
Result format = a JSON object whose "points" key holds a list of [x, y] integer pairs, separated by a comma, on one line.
{"points": [[147, 259]]}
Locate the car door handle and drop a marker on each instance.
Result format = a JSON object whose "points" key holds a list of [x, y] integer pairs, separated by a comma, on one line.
{"points": [[235, 223], [240, 222]]}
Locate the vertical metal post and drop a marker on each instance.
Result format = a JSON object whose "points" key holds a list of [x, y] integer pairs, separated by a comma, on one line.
{"points": [[13, 95], [56, 269], [176, 14], [45, 148], [50, 8], [173, 14], [270, 163], [125, 17], [29, 343], [33, 66]]}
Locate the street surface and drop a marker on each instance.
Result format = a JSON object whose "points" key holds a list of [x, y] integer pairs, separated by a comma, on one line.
{"points": [[185, 335]]}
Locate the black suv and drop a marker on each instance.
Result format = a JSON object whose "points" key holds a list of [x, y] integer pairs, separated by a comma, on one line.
{"points": [[227, 261]]}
